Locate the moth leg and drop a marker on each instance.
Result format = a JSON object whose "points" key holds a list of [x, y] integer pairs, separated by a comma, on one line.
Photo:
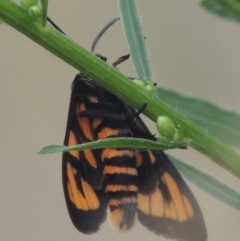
{"points": [[120, 60]]}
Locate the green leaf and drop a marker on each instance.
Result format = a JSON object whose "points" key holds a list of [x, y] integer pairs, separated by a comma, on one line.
{"points": [[135, 39], [121, 142], [209, 184], [219, 122], [44, 11], [229, 9]]}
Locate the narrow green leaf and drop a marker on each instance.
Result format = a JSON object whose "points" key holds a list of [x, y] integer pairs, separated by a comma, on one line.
{"points": [[229, 9], [121, 142], [135, 39], [209, 184], [219, 122], [44, 11]]}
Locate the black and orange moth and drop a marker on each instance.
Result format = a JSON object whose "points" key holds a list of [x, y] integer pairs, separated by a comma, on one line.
{"points": [[133, 184]]}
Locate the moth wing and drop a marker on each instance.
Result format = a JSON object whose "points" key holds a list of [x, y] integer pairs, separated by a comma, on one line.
{"points": [[86, 206], [83, 128], [167, 208], [82, 170], [171, 209]]}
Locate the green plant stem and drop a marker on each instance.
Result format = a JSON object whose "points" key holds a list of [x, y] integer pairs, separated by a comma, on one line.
{"points": [[115, 82]]}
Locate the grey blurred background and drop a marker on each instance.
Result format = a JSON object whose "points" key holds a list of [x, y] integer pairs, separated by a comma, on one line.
{"points": [[190, 50]]}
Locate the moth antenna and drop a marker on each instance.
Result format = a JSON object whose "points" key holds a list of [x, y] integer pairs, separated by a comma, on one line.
{"points": [[55, 25], [107, 26]]}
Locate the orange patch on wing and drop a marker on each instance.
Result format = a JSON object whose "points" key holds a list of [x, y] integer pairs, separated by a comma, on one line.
{"points": [[72, 141], [90, 158], [139, 158], [178, 209], [188, 206], [177, 204], [125, 170], [170, 211], [116, 188], [107, 132], [96, 122], [90, 195], [90, 201], [110, 153], [85, 124], [152, 157], [152, 204]]}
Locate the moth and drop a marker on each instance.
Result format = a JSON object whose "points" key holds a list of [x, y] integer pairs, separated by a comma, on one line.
{"points": [[134, 184]]}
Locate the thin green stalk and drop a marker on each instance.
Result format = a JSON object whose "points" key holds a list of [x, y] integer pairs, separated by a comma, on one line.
{"points": [[135, 38], [45, 8], [115, 82]]}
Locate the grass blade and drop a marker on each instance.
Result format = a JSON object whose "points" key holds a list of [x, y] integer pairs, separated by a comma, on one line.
{"points": [[121, 142], [135, 39], [209, 184]]}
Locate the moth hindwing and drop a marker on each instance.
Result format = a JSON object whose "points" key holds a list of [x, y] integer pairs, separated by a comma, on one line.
{"points": [[141, 185]]}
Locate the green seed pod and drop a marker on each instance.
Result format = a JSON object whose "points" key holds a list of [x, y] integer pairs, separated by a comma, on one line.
{"points": [[149, 88], [166, 127], [177, 136], [35, 12], [27, 4], [139, 83]]}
